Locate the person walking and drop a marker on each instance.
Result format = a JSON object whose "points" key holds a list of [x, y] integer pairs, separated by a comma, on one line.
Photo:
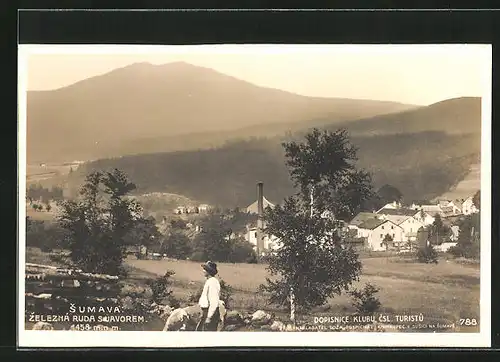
{"points": [[209, 299]]}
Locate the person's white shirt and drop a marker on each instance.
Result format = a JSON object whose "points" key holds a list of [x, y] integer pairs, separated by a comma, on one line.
{"points": [[210, 296]]}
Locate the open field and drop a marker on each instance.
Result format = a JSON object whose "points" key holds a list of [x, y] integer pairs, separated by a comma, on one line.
{"points": [[467, 187], [36, 173], [443, 293], [40, 215]]}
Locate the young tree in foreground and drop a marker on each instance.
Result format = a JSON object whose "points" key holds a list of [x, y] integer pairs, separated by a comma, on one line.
{"points": [[387, 241], [98, 222], [312, 264], [323, 168], [438, 231]]}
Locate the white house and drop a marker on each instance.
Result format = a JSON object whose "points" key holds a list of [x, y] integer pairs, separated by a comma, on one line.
{"points": [[451, 207], [203, 208], [468, 206], [270, 242], [431, 209], [409, 225], [375, 230], [424, 217], [180, 210]]}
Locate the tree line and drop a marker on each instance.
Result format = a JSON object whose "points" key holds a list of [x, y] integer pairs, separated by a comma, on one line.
{"points": [[36, 192]]}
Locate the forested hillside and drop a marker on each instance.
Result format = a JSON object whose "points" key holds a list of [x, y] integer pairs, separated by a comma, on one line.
{"points": [[422, 165]]}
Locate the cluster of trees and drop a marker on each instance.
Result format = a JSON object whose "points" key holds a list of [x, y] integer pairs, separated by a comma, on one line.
{"points": [[45, 235], [468, 243], [438, 232], [220, 238], [384, 195], [45, 195], [101, 224]]}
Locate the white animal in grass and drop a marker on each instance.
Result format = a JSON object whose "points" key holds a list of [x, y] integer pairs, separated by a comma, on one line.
{"points": [[42, 326], [186, 319]]}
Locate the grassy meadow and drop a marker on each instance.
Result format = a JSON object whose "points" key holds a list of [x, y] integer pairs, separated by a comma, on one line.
{"points": [[443, 293]]}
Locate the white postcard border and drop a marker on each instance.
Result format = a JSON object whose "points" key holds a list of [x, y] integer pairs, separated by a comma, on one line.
{"points": [[28, 338]]}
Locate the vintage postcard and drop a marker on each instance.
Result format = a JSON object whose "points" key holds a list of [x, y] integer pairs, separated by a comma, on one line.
{"points": [[315, 195]]}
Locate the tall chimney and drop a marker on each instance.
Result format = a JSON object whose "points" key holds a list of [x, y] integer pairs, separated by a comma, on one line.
{"points": [[260, 198], [260, 223]]}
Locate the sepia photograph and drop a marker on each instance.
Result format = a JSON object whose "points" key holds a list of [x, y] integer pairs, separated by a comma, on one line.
{"points": [[315, 195]]}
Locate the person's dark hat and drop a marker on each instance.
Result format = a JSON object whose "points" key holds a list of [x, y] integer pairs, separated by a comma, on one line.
{"points": [[210, 267]]}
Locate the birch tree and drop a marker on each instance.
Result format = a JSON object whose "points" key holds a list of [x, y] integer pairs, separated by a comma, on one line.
{"points": [[312, 263]]}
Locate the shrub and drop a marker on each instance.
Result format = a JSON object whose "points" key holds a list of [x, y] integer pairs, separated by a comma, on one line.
{"points": [[427, 254], [226, 292], [364, 301], [160, 287], [242, 252], [469, 251], [44, 235]]}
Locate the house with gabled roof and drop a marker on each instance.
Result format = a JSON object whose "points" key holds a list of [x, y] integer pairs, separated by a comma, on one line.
{"points": [[361, 218], [408, 223], [419, 215], [468, 206], [450, 207], [254, 208], [375, 231], [392, 205]]}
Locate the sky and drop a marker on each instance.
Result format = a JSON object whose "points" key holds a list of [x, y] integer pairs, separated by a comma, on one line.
{"points": [[419, 75]]}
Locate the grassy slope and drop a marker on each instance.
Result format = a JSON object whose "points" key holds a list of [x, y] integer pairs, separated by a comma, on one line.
{"points": [[466, 187]]}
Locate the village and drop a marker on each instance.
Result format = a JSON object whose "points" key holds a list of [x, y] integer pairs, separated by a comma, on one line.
{"points": [[393, 227]]}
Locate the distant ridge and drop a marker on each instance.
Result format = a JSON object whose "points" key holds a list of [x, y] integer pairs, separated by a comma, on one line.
{"points": [[456, 116], [453, 116], [88, 118]]}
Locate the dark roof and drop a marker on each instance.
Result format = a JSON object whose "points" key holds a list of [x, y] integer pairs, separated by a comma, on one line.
{"points": [[371, 224], [362, 217], [401, 211]]}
